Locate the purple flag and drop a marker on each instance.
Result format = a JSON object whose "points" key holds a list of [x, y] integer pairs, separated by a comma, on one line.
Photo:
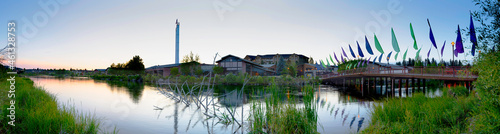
{"points": [[343, 52], [460, 46], [431, 36], [442, 49], [342, 57], [472, 33], [335, 57], [359, 62], [428, 53], [367, 61]]}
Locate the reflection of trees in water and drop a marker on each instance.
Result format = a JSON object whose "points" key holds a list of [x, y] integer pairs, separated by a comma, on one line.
{"points": [[132, 88]]}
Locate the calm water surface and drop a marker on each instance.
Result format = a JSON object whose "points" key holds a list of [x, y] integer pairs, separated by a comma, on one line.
{"points": [[131, 108]]}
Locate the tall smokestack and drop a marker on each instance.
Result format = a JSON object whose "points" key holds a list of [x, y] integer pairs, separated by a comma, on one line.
{"points": [[177, 23]]}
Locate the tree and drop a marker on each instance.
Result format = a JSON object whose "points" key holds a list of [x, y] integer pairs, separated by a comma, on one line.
{"points": [[280, 66], [218, 70], [174, 71], [191, 57], [291, 69], [489, 19], [135, 63], [311, 61]]}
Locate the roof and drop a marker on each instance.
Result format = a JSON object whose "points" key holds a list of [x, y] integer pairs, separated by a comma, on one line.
{"points": [[252, 57], [269, 56], [246, 61], [163, 66], [267, 65]]}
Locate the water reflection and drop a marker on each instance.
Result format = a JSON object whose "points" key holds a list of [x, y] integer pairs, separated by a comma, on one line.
{"points": [[134, 89], [130, 106]]}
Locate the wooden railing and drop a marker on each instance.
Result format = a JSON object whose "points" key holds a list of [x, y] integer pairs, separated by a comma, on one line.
{"points": [[449, 71]]}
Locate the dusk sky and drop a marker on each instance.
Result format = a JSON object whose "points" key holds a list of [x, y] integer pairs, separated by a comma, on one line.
{"points": [[93, 34]]}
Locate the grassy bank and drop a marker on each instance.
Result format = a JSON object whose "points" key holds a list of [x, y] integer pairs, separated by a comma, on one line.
{"points": [[236, 79], [275, 116], [454, 112], [449, 113], [36, 111]]}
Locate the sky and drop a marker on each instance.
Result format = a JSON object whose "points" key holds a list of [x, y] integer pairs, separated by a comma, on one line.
{"points": [[93, 34]]}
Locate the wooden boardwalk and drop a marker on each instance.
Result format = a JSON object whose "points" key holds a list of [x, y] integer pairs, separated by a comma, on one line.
{"points": [[366, 79]]}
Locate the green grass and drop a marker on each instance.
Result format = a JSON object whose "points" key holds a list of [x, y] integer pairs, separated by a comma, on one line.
{"points": [[449, 113], [37, 112], [275, 116]]}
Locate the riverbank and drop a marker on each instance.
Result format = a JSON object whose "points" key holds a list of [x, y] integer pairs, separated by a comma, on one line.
{"points": [[37, 111], [454, 112]]}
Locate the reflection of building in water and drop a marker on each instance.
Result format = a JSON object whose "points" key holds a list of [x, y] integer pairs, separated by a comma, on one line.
{"points": [[233, 99]]}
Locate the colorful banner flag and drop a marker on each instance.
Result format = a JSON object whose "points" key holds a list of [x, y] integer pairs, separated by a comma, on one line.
{"points": [[389, 56], [368, 48], [331, 59], [404, 55], [352, 52], [322, 64], [394, 41], [359, 50], [442, 49], [327, 62], [359, 63], [380, 57], [375, 59], [413, 36], [428, 53], [342, 57], [418, 53], [377, 44], [396, 56], [343, 52], [472, 33], [366, 61], [459, 44], [431, 35], [334, 55]]}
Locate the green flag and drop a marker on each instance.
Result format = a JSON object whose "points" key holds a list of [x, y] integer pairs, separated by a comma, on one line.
{"points": [[394, 41], [328, 62], [413, 36], [418, 52], [331, 59], [377, 44], [404, 55], [396, 56]]}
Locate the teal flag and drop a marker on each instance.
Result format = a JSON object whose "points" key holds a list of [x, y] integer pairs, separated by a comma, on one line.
{"points": [[404, 55], [396, 56], [418, 52], [327, 62], [394, 41], [413, 36], [377, 44]]}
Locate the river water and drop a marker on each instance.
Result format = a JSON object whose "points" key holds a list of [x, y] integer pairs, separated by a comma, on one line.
{"points": [[134, 108]]}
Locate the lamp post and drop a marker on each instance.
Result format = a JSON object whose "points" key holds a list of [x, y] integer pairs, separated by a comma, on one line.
{"points": [[453, 54]]}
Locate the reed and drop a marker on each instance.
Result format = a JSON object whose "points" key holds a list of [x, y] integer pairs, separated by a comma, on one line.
{"points": [[38, 112], [275, 116]]}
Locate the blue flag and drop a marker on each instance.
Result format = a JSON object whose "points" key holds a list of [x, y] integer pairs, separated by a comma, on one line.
{"points": [[389, 56], [428, 53], [472, 33], [352, 52], [359, 50], [375, 59], [380, 57], [460, 46], [431, 36], [368, 48]]}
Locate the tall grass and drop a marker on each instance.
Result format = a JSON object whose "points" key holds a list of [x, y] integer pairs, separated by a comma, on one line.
{"points": [[275, 116], [37, 112], [420, 114]]}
